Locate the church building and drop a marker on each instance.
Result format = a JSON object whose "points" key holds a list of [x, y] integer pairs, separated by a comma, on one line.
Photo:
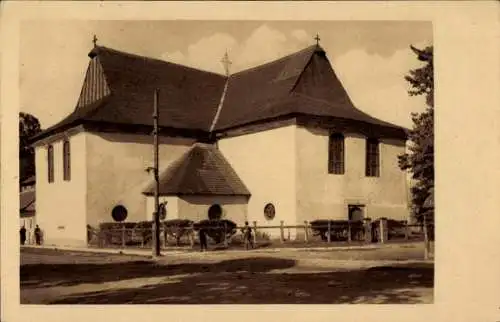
{"points": [[277, 142]]}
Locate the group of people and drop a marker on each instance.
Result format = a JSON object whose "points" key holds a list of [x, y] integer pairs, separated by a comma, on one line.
{"points": [[246, 231], [38, 235]]}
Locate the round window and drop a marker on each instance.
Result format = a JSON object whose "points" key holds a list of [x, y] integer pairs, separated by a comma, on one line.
{"points": [[119, 213], [215, 212], [269, 211]]}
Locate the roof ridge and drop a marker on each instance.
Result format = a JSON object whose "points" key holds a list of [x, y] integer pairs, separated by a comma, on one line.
{"points": [[152, 59], [286, 57]]}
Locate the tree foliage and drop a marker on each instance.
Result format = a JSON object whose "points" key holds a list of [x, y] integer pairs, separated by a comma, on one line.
{"points": [[28, 127], [420, 158]]}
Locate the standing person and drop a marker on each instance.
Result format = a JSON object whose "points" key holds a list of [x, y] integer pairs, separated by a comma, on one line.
{"points": [[38, 235], [203, 239], [247, 236], [22, 232]]}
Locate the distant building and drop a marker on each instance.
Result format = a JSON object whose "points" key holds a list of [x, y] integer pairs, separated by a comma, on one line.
{"points": [[278, 142], [28, 184], [27, 208]]}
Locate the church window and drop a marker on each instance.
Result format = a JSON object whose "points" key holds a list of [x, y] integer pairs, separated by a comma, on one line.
{"points": [[215, 212], [372, 158], [269, 211], [66, 161], [119, 213], [50, 163], [336, 154]]}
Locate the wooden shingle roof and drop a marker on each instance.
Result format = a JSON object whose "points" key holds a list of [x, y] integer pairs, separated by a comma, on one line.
{"points": [[119, 87], [202, 170]]}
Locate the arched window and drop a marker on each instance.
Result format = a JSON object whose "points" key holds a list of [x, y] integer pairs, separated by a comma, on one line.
{"points": [[215, 212], [50, 163], [372, 158], [66, 161], [336, 154]]}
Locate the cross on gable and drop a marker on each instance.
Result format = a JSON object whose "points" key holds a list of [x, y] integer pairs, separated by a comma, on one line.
{"points": [[226, 62], [94, 40], [317, 39]]}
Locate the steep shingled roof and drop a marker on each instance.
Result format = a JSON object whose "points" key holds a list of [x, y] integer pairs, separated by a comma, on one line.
{"points": [[119, 88], [202, 170]]}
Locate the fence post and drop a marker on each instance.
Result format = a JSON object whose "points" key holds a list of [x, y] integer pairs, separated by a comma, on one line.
{"points": [[306, 232], [255, 233], [100, 239], [329, 235], [349, 237], [426, 239], [282, 231], [368, 230], [165, 236], [191, 236], [407, 229], [225, 234], [383, 230], [123, 235]]}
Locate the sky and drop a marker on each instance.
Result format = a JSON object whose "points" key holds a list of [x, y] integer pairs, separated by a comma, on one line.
{"points": [[369, 57]]}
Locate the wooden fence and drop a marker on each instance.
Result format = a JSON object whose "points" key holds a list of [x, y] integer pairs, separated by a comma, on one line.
{"points": [[350, 232]]}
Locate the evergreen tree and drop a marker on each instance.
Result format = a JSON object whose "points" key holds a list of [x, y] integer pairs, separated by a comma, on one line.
{"points": [[420, 159], [28, 127]]}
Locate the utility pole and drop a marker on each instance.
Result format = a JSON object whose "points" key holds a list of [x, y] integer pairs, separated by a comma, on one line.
{"points": [[156, 222]]}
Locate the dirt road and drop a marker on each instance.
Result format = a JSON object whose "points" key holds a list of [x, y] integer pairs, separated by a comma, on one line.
{"points": [[279, 277]]}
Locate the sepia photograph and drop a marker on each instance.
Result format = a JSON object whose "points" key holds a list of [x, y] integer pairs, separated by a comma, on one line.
{"points": [[226, 162]]}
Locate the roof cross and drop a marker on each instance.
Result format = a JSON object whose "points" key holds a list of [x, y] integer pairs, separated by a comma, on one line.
{"points": [[317, 39], [226, 62], [94, 40]]}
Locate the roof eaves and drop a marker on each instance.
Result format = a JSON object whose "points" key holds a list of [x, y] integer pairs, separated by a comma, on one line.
{"points": [[77, 117]]}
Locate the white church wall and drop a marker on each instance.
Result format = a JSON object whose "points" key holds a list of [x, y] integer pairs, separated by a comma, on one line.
{"points": [[61, 205], [266, 163], [321, 195], [117, 176], [196, 208]]}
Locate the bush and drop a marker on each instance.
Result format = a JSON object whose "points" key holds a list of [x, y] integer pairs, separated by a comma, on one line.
{"points": [[215, 228], [116, 225], [144, 229], [177, 228], [338, 229], [395, 228], [113, 234]]}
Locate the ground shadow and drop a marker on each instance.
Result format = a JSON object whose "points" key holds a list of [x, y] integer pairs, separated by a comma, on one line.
{"points": [[249, 281], [51, 275]]}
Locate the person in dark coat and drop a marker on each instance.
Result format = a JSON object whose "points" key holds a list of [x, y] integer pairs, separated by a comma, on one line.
{"points": [[203, 239], [22, 232], [247, 236], [38, 235]]}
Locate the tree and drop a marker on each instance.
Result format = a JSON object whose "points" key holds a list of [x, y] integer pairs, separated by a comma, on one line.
{"points": [[28, 127], [420, 159]]}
